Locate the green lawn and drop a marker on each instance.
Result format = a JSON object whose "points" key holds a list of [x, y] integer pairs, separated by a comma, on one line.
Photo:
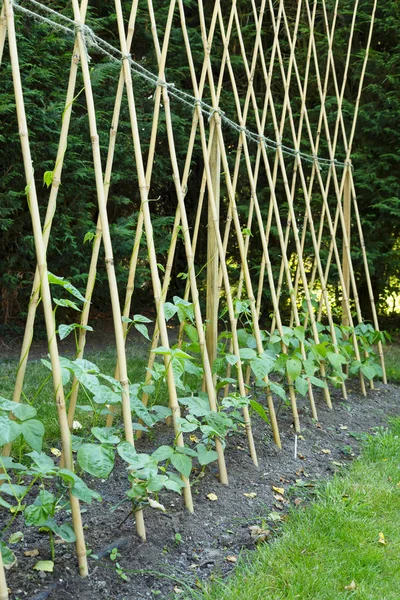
{"points": [[334, 542]]}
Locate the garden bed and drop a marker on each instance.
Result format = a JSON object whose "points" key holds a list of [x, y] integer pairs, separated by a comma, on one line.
{"points": [[185, 550]]}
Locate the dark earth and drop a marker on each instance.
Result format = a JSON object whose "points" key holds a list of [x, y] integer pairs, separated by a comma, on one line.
{"points": [[182, 550]]}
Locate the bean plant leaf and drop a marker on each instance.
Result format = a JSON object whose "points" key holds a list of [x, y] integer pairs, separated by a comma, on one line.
{"points": [[301, 385], [9, 430], [22, 412], [105, 435], [182, 463], [293, 368], [205, 456], [247, 353], [33, 432], [7, 556], [262, 366], [65, 532], [143, 330], [53, 279], [78, 487], [277, 389], [260, 410], [163, 453], [169, 310], [96, 459]]}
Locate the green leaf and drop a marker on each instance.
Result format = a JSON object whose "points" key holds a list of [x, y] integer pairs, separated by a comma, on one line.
{"points": [[33, 432], [16, 537], [9, 430], [205, 456], [65, 532], [48, 178], [247, 353], [293, 368], [260, 410], [68, 303], [13, 489], [66, 285], [96, 459], [336, 360], [368, 371], [43, 464], [232, 359], [24, 411], [169, 310], [318, 382], [78, 487], [141, 319], [182, 463], [127, 452], [301, 385], [162, 453], [7, 556], [143, 330], [262, 366], [105, 435], [277, 389], [44, 565]]}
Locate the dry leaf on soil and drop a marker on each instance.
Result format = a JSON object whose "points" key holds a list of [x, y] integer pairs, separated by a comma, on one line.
{"points": [[55, 451], [250, 495], [231, 559], [212, 497], [325, 451], [278, 490], [33, 552]]}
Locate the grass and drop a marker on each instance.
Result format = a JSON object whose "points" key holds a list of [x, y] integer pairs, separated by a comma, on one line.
{"points": [[392, 362], [326, 546]]}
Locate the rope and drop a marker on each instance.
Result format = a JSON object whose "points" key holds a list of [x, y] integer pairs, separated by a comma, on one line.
{"points": [[92, 41]]}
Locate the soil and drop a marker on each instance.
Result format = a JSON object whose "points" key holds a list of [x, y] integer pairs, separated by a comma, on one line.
{"points": [[167, 563]]}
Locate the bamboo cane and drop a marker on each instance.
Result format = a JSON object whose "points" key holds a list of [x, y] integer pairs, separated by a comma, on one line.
{"points": [[35, 294], [3, 583], [3, 32], [109, 260], [46, 297], [212, 299]]}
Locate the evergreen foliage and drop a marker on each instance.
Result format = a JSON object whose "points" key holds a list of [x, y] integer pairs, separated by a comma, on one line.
{"points": [[45, 61]]}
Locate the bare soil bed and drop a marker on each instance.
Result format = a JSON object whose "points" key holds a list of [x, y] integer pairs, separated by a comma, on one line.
{"points": [[209, 540]]}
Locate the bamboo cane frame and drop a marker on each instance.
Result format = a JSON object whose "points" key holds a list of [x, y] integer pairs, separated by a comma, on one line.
{"points": [[46, 296], [266, 260], [343, 188], [192, 277], [206, 362], [253, 187]]}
